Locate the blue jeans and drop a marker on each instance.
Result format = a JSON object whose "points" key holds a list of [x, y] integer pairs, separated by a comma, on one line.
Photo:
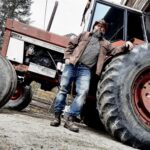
{"points": [[81, 75]]}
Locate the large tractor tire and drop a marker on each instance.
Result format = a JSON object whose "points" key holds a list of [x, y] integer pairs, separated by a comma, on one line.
{"points": [[20, 99], [13, 81], [123, 97], [7, 81]]}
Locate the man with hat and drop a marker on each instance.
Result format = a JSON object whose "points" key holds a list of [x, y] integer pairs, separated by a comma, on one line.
{"points": [[82, 53]]}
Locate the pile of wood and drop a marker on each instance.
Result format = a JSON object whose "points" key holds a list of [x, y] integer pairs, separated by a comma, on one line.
{"points": [[42, 101]]}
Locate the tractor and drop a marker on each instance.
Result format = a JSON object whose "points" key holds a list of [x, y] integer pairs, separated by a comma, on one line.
{"points": [[120, 98]]}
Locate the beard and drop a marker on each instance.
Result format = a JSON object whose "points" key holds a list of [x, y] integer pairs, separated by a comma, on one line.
{"points": [[98, 34]]}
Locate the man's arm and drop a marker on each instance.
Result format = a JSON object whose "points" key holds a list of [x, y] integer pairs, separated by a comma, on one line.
{"points": [[71, 46], [116, 50], [108, 50]]}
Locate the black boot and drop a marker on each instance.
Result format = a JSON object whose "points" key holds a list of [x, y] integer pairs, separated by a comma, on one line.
{"points": [[57, 120], [70, 124]]}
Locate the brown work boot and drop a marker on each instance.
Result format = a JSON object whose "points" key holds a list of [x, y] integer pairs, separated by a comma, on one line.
{"points": [[57, 120], [69, 124]]}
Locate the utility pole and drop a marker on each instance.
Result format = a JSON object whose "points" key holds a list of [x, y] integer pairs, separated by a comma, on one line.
{"points": [[52, 16]]}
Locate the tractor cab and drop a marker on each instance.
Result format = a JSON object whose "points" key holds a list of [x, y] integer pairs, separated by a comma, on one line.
{"points": [[123, 22]]}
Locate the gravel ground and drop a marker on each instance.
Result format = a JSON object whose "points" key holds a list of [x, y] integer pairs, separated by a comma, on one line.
{"points": [[27, 131]]}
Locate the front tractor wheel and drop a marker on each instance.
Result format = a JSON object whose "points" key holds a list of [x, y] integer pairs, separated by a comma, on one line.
{"points": [[20, 99], [141, 95], [123, 97]]}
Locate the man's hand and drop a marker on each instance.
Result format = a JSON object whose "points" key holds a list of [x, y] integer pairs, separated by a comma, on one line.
{"points": [[67, 61], [129, 45]]}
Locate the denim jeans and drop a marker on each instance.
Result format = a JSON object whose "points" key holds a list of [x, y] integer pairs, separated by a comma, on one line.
{"points": [[81, 75]]}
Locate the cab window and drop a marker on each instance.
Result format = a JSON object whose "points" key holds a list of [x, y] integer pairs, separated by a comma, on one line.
{"points": [[134, 28], [114, 17]]}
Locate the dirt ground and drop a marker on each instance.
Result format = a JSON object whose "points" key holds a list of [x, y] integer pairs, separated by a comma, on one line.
{"points": [[29, 131]]}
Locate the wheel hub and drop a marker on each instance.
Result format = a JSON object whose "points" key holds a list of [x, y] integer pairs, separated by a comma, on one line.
{"points": [[145, 94], [17, 94], [141, 96]]}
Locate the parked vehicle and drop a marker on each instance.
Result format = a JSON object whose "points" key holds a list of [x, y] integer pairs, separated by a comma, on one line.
{"points": [[122, 96]]}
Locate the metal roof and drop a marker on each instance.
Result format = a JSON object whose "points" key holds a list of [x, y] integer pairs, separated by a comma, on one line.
{"points": [[142, 5], [120, 5]]}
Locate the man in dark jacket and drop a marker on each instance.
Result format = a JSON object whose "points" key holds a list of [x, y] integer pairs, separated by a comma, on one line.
{"points": [[82, 53]]}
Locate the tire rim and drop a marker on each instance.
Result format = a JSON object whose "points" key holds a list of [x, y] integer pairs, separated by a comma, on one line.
{"points": [[141, 96], [18, 93]]}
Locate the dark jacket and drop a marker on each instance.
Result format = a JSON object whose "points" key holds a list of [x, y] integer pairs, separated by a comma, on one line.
{"points": [[77, 45]]}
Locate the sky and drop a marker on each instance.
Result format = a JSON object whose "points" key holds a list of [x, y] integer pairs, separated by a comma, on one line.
{"points": [[67, 18]]}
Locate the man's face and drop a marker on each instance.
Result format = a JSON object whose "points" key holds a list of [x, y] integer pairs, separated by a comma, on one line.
{"points": [[100, 28]]}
